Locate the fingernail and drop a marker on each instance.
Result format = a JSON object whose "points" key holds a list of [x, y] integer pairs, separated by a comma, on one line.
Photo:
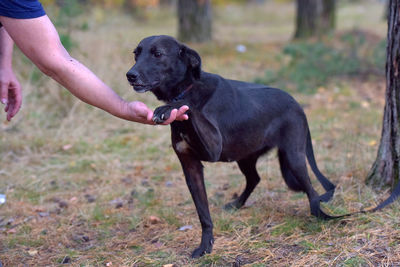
{"points": [[4, 101]]}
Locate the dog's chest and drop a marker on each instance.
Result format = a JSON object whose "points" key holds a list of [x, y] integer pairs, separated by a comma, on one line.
{"points": [[183, 145], [188, 143]]}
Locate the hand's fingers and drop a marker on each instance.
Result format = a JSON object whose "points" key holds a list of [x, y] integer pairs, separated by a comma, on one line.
{"points": [[183, 109], [150, 116], [4, 93], [12, 109], [181, 113], [14, 101], [172, 117]]}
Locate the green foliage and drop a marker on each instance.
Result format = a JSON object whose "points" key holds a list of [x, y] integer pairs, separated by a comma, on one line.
{"points": [[287, 228], [307, 245], [209, 260], [228, 2], [98, 214], [169, 215], [67, 41], [67, 13], [25, 194], [355, 261], [224, 224], [80, 166], [305, 66]]}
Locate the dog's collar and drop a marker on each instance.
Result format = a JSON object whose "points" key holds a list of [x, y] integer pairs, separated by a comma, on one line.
{"points": [[181, 95]]}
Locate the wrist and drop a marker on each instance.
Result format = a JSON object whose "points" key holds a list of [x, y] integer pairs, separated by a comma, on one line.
{"points": [[5, 64], [122, 111]]}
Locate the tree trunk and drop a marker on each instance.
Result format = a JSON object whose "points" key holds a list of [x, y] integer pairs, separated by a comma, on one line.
{"points": [[386, 168], [194, 20], [314, 17], [328, 16]]}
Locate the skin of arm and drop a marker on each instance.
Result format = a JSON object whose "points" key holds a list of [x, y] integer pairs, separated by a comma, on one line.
{"points": [[38, 39], [10, 89]]}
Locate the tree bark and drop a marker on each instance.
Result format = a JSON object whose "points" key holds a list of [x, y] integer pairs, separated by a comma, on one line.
{"points": [[314, 18], [328, 16], [386, 168], [194, 20]]}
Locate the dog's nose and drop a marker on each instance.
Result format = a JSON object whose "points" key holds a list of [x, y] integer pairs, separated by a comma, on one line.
{"points": [[132, 76]]}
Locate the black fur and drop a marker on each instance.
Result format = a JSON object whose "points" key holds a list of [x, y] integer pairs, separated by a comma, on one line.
{"points": [[228, 121]]}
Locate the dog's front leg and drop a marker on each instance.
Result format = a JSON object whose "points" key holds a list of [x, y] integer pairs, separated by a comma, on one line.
{"points": [[193, 170]]}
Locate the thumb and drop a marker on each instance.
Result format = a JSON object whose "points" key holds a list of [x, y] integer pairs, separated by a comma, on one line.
{"points": [[150, 115], [4, 93]]}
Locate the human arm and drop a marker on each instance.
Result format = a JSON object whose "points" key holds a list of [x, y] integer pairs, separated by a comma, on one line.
{"points": [[39, 41], [10, 89]]}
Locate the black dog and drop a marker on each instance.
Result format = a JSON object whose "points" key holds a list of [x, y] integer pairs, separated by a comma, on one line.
{"points": [[228, 121]]}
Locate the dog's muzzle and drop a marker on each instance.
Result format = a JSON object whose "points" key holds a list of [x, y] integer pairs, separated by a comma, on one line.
{"points": [[135, 82]]}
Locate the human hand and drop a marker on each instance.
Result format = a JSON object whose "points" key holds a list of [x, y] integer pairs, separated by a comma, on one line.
{"points": [[139, 112], [10, 92]]}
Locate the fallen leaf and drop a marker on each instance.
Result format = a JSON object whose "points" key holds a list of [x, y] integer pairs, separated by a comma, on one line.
{"points": [[44, 214], [67, 147], [158, 244], [185, 227], [12, 231], [118, 202], [154, 220], [32, 252], [169, 265], [109, 263], [372, 143], [365, 104]]}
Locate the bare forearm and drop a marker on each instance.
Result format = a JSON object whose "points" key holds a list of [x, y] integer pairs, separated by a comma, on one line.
{"points": [[6, 48], [82, 83], [47, 52]]}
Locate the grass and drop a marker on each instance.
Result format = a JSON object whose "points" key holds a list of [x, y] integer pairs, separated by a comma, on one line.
{"points": [[87, 187]]}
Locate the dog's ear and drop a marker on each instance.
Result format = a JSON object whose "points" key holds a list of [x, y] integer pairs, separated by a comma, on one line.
{"points": [[192, 60], [208, 133]]}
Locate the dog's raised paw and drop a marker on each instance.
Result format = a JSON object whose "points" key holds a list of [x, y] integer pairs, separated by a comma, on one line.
{"points": [[161, 114], [158, 119]]}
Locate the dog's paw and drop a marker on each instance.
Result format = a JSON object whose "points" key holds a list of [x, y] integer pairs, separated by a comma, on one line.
{"points": [[232, 206], [161, 114], [203, 249], [327, 196]]}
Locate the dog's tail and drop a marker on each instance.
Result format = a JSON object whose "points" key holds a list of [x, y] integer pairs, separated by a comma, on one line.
{"points": [[328, 186], [330, 189]]}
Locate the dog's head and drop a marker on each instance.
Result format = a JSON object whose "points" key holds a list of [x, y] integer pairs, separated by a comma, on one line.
{"points": [[163, 65]]}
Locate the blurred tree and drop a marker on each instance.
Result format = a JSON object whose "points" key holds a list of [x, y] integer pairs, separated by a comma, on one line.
{"points": [[314, 17], [386, 168], [194, 20]]}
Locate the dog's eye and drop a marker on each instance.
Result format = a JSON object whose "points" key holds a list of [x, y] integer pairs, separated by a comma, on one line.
{"points": [[137, 52], [157, 54]]}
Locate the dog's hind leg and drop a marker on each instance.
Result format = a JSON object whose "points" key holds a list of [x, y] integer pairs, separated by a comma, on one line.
{"points": [[287, 174], [294, 170], [248, 168]]}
